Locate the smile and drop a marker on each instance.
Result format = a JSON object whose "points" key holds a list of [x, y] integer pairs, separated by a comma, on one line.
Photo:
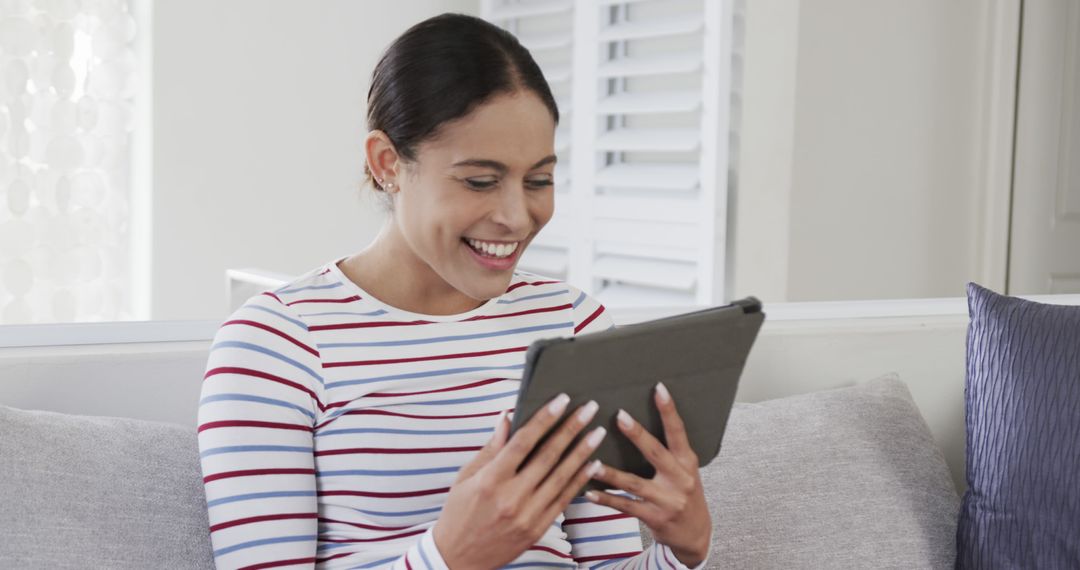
{"points": [[493, 249]]}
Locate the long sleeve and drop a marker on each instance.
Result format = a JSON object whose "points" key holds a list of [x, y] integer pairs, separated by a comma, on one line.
{"points": [[602, 537], [261, 395]]}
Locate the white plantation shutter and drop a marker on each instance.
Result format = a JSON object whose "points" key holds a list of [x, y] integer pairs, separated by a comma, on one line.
{"points": [[642, 208]]}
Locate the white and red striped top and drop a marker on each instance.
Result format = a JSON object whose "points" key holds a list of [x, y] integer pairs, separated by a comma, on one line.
{"points": [[331, 426]]}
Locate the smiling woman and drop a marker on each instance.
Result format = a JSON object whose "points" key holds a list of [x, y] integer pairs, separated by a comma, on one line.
{"points": [[357, 415]]}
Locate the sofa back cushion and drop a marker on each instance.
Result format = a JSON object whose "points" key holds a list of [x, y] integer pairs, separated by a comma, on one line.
{"points": [[97, 492], [845, 478]]}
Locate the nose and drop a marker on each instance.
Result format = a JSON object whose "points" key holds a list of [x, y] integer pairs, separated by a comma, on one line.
{"points": [[512, 209]]}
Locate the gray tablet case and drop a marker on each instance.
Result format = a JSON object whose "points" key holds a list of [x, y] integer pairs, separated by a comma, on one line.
{"points": [[699, 356]]}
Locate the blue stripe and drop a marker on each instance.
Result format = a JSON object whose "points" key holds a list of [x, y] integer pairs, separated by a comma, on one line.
{"points": [[404, 431], [461, 400], [300, 324], [531, 297], [309, 288], [445, 338], [376, 563], [244, 448], [423, 554], [605, 537], [580, 298], [253, 496], [259, 399], [606, 562], [268, 352], [399, 513], [352, 313], [426, 374], [388, 472], [263, 542]]}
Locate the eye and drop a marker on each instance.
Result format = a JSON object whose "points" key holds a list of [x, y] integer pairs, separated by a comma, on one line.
{"points": [[481, 183], [540, 183]]}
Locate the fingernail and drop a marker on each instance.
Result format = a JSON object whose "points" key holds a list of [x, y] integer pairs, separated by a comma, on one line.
{"points": [[665, 396], [591, 495], [594, 438], [510, 416], [587, 411], [502, 416], [624, 419], [557, 405], [594, 468]]}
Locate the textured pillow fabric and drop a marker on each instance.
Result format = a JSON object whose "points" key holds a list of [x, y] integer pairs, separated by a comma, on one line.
{"points": [[1022, 508], [96, 492], [846, 478]]}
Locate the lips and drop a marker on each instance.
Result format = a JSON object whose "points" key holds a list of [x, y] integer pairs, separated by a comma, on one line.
{"points": [[493, 249]]}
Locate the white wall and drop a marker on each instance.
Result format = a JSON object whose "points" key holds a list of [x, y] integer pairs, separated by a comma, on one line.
{"points": [[860, 172], [258, 107]]}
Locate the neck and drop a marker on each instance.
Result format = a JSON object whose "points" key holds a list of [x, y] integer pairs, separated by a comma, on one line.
{"points": [[391, 271]]}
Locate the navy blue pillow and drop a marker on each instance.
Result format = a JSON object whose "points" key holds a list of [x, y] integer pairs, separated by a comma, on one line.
{"points": [[1022, 508]]}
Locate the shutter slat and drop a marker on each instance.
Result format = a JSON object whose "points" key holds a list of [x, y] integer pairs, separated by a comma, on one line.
{"points": [[653, 65], [661, 208], [527, 9], [556, 73], [646, 251], [540, 42], [675, 235], [650, 272], [675, 140], [654, 102], [623, 295], [660, 176], [651, 29], [562, 139]]}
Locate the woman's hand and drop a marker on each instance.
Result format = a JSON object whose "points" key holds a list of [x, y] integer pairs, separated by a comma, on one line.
{"points": [[495, 512], [672, 503]]}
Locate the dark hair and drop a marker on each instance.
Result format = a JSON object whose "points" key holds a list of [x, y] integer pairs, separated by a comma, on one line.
{"points": [[440, 70]]}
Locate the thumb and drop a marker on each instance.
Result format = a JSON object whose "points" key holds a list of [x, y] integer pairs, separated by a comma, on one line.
{"points": [[489, 451]]}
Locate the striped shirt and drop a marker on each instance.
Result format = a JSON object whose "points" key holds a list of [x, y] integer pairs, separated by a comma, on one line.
{"points": [[331, 426]]}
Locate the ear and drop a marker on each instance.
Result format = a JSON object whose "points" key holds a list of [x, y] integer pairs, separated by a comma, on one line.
{"points": [[382, 158]]}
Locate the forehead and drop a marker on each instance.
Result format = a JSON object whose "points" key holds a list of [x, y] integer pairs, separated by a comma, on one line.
{"points": [[515, 129]]}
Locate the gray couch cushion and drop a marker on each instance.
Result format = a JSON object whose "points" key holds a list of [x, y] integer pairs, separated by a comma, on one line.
{"points": [[847, 478], [95, 492]]}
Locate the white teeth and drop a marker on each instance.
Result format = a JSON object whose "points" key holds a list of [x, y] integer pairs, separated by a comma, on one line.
{"points": [[493, 249]]}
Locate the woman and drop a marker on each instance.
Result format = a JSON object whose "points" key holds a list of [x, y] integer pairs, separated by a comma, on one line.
{"points": [[356, 417]]}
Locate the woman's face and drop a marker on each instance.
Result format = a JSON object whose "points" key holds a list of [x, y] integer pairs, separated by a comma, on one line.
{"points": [[479, 192]]}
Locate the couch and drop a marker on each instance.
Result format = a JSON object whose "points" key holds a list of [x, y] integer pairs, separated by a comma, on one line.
{"points": [[844, 450]]}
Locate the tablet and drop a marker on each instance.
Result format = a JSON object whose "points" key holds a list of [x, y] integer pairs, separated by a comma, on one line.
{"points": [[699, 356]]}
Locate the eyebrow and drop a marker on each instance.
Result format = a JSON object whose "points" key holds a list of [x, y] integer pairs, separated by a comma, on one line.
{"points": [[496, 165]]}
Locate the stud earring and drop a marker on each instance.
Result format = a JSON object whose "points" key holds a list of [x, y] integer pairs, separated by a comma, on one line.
{"points": [[389, 186]]}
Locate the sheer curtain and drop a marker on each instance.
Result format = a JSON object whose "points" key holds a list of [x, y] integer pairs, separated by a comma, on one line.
{"points": [[67, 86]]}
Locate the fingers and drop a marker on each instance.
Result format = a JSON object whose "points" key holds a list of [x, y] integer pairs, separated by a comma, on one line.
{"points": [[571, 489], [568, 468], [674, 428], [525, 438], [647, 489], [490, 449], [546, 458], [650, 447], [642, 510]]}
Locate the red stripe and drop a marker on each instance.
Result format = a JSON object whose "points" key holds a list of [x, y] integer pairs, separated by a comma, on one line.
{"points": [[373, 324], [666, 559], [253, 472], [407, 565], [274, 331], [524, 283], [379, 539], [607, 556], [271, 294], [402, 415], [394, 495], [333, 556], [551, 551], [249, 520], [591, 318], [394, 450], [251, 423], [360, 525], [519, 313], [424, 358], [324, 271], [345, 300], [450, 389], [595, 519], [265, 376]]}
